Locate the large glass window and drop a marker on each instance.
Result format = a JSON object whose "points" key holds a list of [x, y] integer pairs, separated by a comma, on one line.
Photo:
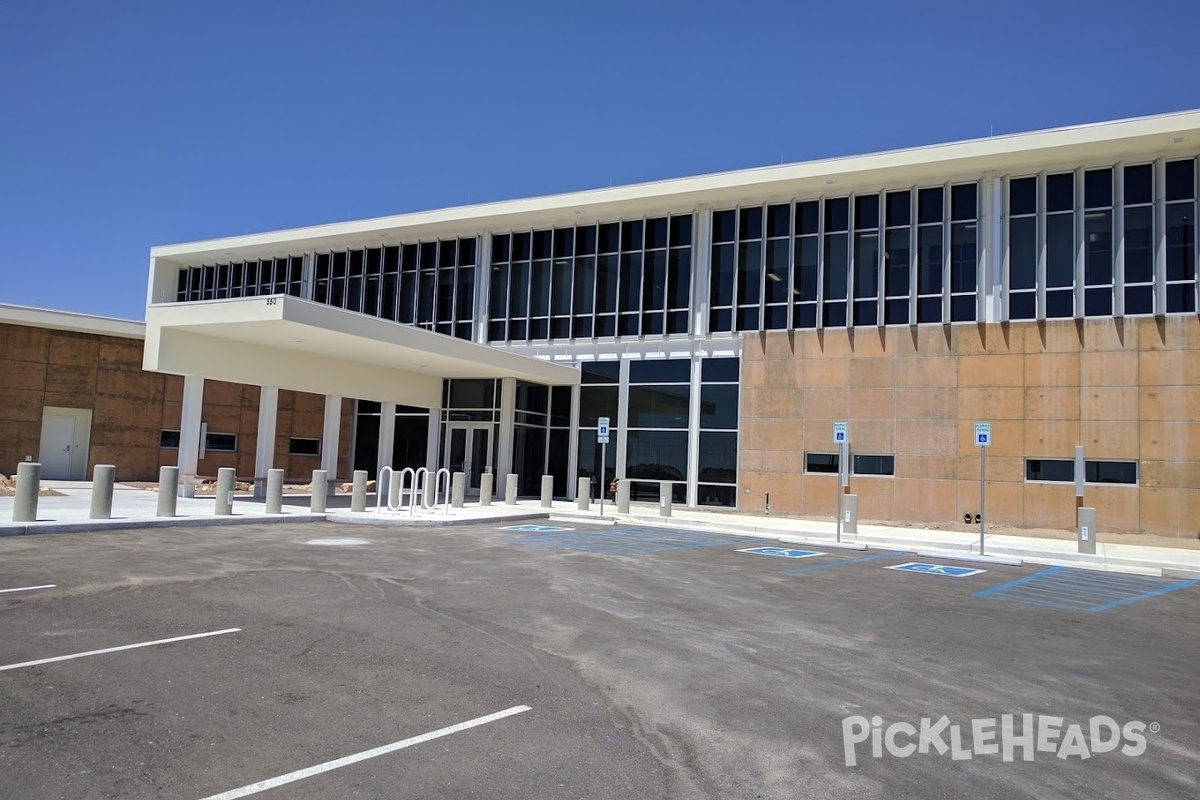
{"points": [[897, 257], [630, 278], [1022, 248], [1097, 243], [836, 261], [598, 397], [964, 252], [806, 264], [1139, 239], [866, 259], [930, 265], [656, 443], [718, 432], [1060, 245], [244, 279], [1181, 236]]}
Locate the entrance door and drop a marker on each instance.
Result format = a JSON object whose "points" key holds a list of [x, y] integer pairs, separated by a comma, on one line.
{"points": [[469, 450], [58, 436]]}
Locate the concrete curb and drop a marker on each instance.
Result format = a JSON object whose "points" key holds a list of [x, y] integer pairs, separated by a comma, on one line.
{"points": [[371, 518], [953, 555], [96, 526]]}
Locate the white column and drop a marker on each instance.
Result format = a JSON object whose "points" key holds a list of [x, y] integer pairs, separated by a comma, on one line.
{"points": [[434, 440], [622, 422], [994, 263], [483, 287], [508, 421], [1119, 239], [702, 259], [573, 446], [387, 436], [264, 451], [1160, 237], [331, 432], [189, 430], [693, 446]]}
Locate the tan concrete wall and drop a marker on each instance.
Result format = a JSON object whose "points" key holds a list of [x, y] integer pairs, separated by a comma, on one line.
{"points": [[42, 367], [1125, 390]]}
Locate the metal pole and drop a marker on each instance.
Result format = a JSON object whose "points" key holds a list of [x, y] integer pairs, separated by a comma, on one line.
{"points": [[841, 466], [982, 495], [603, 474]]}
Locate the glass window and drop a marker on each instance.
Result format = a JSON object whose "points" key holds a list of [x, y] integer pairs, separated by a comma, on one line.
{"points": [[1110, 471], [821, 462], [1060, 250], [669, 370], [837, 214], [929, 206], [1097, 188], [168, 440], [724, 229], [874, 465], [596, 402], [221, 442], [749, 284], [304, 447], [806, 257], [659, 406], [899, 208], [718, 458], [1181, 242], [1139, 184], [472, 393], [656, 455], [656, 233], [722, 274], [808, 218], [1181, 182], [1060, 192], [719, 406], [866, 212], [963, 201], [631, 235], [600, 371], [779, 220], [750, 222], [1049, 469], [681, 231], [719, 369], [585, 240]]}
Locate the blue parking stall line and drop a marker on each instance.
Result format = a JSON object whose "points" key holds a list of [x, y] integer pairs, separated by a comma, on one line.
{"points": [[1146, 595], [536, 528], [1017, 582], [845, 563]]}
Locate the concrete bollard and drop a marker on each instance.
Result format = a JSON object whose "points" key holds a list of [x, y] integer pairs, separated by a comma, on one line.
{"points": [[29, 483], [665, 497], [225, 486], [274, 491], [850, 514], [168, 486], [583, 494], [103, 478], [485, 489], [319, 491], [510, 490], [458, 489], [358, 500], [1085, 529], [623, 487], [547, 491]]}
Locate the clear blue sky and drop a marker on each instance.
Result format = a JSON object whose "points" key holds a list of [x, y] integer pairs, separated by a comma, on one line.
{"points": [[124, 125]]}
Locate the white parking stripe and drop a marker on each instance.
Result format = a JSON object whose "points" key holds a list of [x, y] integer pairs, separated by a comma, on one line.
{"points": [[28, 588], [271, 783], [116, 649]]}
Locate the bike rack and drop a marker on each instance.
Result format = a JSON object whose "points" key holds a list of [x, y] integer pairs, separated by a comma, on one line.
{"points": [[392, 475], [418, 487]]}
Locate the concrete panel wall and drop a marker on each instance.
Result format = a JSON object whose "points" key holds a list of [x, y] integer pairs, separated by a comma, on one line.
{"points": [[1125, 390]]}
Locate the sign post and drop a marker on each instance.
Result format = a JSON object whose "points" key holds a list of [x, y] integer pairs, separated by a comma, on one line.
{"points": [[840, 435], [602, 438], [983, 440]]}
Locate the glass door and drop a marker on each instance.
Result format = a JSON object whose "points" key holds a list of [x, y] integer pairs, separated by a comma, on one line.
{"points": [[469, 450]]}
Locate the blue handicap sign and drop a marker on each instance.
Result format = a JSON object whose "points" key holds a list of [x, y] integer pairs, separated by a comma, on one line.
{"points": [[782, 552], [536, 528], [937, 569]]}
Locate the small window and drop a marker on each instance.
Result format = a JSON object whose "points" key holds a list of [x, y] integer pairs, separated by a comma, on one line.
{"points": [[1110, 471], [1049, 469], [821, 462], [169, 440], [874, 465], [221, 442], [304, 447]]}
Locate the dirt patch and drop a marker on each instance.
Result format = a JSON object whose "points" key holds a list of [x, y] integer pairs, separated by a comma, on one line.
{"points": [[8, 488]]}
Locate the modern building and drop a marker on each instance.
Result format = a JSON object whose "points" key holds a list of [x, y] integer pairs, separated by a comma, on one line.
{"points": [[1043, 282]]}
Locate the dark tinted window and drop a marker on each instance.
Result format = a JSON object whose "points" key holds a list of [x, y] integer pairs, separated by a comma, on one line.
{"points": [[304, 447], [866, 212], [874, 465], [1139, 184], [899, 208], [714, 370], [808, 217], [1047, 469], [1180, 180], [723, 226], [1097, 188], [1110, 471], [601, 371], [1060, 192], [963, 201], [837, 213], [168, 439], [821, 462], [670, 370], [1022, 196], [750, 223], [929, 205]]}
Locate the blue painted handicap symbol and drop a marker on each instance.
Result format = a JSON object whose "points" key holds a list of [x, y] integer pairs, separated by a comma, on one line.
{"points": [[937, 569], [536, 528], [782, 552]]}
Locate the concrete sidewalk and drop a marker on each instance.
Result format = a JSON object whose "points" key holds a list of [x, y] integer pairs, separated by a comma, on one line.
{"points": [[136, 508]]}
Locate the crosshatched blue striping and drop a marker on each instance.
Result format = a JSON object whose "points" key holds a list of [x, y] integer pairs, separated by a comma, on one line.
{"points": [[1082, 590], [633, 541]]}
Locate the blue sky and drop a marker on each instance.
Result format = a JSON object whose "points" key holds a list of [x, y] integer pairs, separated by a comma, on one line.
{"points": [[129, 124]]}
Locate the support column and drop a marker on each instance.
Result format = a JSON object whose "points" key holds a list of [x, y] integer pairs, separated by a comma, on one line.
{"points": [[693, 440], [621, 426], [189, 432], [573, 445], [387, 437], [264, 451], [331, 432], [434, 443], [508, 420]]}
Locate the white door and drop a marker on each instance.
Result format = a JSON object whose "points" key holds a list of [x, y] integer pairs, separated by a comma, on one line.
{"points": [[58, 435]]}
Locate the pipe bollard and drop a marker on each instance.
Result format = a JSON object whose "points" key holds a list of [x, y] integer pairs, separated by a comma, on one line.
{"points": [[583, 494], [358, 500], [103, 478], [547, 491], [29, 483], [225, 486], [510, 490], [274, 491], [168, 486], [623, 487], [485, 489], [458, 489], [318, 490], [665, 497]]}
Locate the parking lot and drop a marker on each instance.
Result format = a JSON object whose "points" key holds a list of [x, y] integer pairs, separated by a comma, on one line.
{"points": [[323, 660]]}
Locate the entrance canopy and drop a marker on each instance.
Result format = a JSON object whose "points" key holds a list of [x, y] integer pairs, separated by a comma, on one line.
{"points": [[297, 344]]}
